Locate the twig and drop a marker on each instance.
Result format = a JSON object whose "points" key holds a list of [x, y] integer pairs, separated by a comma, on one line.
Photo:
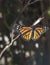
{"points": [[37, 21], [28, 3], [8, 46], [34, 2], [17, 18]]}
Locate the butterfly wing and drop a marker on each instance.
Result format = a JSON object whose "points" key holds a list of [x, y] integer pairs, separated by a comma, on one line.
{"points": [[38, 32], [27, 35]]}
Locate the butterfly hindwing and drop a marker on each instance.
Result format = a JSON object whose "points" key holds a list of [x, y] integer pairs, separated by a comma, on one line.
{"points": [[35, 35], [28, 35]]}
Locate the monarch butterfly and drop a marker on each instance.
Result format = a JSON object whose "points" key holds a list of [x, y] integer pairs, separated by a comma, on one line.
{"points": [[28, 32], [32, 34]]}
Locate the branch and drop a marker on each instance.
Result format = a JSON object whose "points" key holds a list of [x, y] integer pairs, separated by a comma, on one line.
{"points": [[38, 21], [6, 47], [34, 2], [12, 40], [17, 18]]}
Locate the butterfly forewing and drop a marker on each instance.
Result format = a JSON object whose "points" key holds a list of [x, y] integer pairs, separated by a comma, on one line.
{"points": [[40, 30], [24, 29]]}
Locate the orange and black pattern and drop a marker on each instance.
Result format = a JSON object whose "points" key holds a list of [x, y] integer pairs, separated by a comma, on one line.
{"points": [[38, 32], [28, 35]]}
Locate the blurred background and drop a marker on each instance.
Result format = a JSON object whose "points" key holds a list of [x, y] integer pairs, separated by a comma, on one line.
{"points": [[24, 52]]}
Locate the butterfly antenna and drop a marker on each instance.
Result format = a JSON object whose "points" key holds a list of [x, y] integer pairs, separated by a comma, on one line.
{"points": [[37, 21]]}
